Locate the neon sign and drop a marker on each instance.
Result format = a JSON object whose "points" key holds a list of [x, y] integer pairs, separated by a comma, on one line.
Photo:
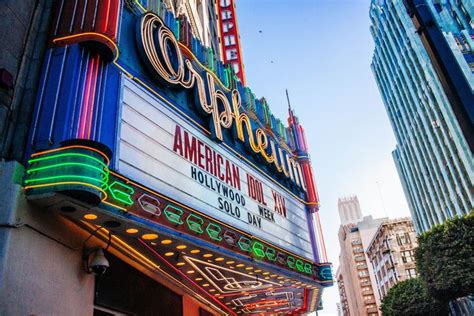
{"points": [[77, 168], [162, 53], [230, 43]]}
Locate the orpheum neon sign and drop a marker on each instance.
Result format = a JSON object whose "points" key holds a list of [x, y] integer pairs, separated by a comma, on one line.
{"points": [[162, 53]]}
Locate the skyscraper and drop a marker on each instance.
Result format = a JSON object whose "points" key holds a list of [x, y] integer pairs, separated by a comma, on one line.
{"points": [[445, 29], [432, 156]]}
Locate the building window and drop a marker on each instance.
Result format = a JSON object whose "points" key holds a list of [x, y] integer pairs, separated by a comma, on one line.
{"points": [[407, 256], [229, 40], [407, 238], [359, 258], [356, 241], [411, 273], [363, 273], [374, 260], [391, 282], [403, 239], [364, 282]]}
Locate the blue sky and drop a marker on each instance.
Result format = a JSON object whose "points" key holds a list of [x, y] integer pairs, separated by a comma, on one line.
{"points": [[320, 50]]}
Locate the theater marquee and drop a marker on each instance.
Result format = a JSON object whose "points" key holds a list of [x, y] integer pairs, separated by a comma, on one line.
{"points": [[164, 152]]}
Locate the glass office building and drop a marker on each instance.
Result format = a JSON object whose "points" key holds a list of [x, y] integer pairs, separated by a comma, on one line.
{"points": [[433, 159]]}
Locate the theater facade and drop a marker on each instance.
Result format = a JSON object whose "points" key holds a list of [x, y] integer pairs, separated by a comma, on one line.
{"points": [[146, 145]]}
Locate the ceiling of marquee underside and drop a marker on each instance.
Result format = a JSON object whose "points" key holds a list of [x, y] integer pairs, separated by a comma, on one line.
{"points": [[228, 282]]}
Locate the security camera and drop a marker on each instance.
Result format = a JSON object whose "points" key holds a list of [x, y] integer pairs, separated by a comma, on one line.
{"points": [[95, 261]]}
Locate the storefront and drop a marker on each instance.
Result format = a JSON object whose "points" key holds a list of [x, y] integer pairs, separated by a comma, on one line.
{"points": [[144, 146]]}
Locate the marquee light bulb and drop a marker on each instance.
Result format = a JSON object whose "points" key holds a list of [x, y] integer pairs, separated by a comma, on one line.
{"points": [[150, 236]]}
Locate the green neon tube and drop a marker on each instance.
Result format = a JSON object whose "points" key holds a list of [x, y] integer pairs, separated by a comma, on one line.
{"points": [[66, 155], [29, 171], [102, 183]]}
